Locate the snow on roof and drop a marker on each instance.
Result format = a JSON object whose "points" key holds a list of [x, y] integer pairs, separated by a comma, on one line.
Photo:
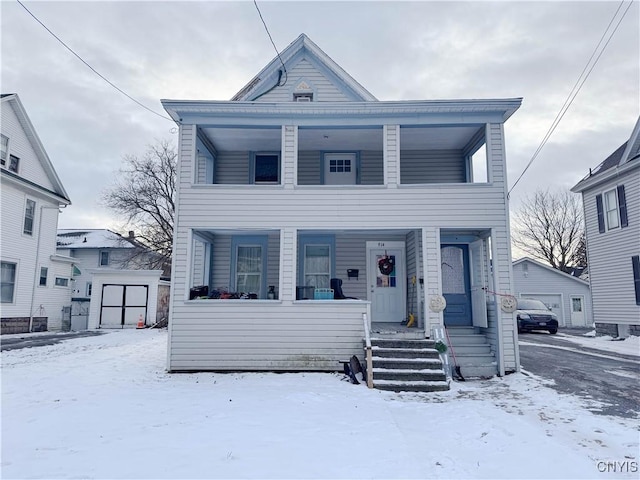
{"points": [[91, 238]]}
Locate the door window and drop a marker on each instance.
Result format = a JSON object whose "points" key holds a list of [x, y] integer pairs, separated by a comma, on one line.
{"points": [[452, 259], [386, 271], [249, 269], [576, 304]]}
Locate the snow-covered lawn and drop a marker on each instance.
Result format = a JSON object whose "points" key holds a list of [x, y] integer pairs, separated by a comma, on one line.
{"points": [[103, 407]]}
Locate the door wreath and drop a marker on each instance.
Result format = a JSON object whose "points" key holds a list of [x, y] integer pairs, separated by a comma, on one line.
{"points": [[386, 265]]}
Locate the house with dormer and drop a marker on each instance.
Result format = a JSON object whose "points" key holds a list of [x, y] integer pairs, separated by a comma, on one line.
{"points": [[611, 202], [312, 217], [36, 282]]}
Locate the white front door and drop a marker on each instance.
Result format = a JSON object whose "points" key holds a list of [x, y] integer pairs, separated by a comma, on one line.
{"points": [[577, 310], [340, 169], [386, 274]]}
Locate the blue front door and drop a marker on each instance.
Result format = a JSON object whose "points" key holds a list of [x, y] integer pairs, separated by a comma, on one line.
{"points": [[455, 285]]}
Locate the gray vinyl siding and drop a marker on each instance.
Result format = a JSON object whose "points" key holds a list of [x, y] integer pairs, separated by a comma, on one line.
{"points": [[232, 168], [309, 168], [323, 88], [609, 253], [432, 167], [371, 168], [539, 280]]}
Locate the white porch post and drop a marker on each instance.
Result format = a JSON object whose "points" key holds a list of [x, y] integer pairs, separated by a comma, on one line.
{"points": [[288, 264], [289, 156], [391, 155], [432, 280]]}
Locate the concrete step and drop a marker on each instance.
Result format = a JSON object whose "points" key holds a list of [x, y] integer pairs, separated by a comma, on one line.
{"points": [[471, 349], [405, 352], [467, 339], [411, 386], [402, 343], [472, 358], [452, 331], [407, 363], [402, 375], [479, 371]]}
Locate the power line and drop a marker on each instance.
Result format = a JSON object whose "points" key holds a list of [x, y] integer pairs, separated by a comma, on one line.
{"points": [[90, 67], [576, 87], [272, 43]]}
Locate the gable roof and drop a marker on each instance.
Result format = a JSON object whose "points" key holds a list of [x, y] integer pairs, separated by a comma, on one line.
{"points": [[14, 100], [554, 270], [625, 156], [270, 75], [91, 238]]}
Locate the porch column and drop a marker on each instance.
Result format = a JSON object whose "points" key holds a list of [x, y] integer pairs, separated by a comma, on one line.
{"points": [[289, 155], [391, 155], [432, 278], [288, 264]]}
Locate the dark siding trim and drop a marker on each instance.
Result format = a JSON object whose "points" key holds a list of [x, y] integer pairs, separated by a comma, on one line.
{"points": [[636, 276], [600, 213], [622, 204]]}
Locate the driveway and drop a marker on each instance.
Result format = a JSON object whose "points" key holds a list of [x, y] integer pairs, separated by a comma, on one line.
{"points": [[609, 381], [17, 341]]}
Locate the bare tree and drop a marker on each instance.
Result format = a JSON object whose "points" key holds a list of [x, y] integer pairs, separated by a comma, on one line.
{"points": [[549, 226], [144, 195]]}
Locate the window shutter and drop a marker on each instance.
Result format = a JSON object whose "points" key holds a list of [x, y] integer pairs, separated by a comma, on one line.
{"points": [[600, 213], [622, 204], [636, 276]]}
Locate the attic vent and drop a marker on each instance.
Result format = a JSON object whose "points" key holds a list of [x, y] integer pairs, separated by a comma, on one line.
{"points": [[303, 97]]}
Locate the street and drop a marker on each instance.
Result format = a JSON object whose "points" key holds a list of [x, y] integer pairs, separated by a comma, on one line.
{"points": [[610, 380], [13, 342]]}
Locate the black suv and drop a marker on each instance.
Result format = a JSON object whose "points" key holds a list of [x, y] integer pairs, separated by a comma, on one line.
{"points": [[534, 315]]}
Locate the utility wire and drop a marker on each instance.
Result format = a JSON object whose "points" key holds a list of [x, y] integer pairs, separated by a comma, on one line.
{"points": [[576, 87], [272, 43], [90, 67]]}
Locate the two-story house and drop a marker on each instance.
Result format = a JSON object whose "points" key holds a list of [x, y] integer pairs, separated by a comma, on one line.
{"points": [[611, 199], [35, 281], [304, 183]]}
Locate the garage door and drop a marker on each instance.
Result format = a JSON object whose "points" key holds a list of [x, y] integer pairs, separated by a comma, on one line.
{"points": [[123, 305], [552, 301]]}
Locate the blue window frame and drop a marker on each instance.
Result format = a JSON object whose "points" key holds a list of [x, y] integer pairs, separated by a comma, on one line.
{"points": [[265, 168], [249, 264], [316, 260]]}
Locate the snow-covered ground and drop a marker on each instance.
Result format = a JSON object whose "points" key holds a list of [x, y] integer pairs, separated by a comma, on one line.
{"points": [[103, 407]]}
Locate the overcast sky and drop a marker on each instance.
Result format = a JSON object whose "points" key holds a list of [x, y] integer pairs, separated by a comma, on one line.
{"points": [[398, 51]]}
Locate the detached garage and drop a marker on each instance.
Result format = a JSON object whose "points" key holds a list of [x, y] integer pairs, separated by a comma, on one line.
{"points": [[567, 296], [120, 298]]}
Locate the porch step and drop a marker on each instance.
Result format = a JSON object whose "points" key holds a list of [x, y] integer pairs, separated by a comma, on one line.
{"points": [[472, 352], [405, 364]]}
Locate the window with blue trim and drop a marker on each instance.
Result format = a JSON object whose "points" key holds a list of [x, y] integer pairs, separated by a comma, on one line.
{"points": [[249, 264], [317, 260], [266, 168]]}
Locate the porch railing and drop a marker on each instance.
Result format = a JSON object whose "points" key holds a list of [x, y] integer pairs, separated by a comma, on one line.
{"points": [[368, 351]]}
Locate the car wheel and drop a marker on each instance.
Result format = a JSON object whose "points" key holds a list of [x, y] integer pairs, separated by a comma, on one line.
{"points": [[553, 331]]}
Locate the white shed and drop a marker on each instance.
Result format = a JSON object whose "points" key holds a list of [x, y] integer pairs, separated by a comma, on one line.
{"points": [[121, 297], [568, 297]]}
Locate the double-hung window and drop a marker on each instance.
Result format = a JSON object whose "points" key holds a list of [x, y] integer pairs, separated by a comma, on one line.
{"points": [[249, 264], [7, 281], [317, 260], [266, 168], [13, 163], [104, 259], [44, 271], [4, 150], [29, 215], [611, 207]]}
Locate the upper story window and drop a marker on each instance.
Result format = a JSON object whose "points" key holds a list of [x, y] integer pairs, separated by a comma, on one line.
{"points": [[303, 97], [29, 215], [266, 168], [104, 259], [13, 163], [62, 282], [612, 209], [4, 150]]}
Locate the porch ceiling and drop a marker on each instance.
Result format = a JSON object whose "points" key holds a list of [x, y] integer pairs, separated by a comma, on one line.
{"points": [[341, 138]]}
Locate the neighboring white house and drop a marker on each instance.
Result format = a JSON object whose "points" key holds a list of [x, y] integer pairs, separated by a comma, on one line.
{"points": [[567, 296], [611, 198], [35, 281], [108, 255], [304, 176]]}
